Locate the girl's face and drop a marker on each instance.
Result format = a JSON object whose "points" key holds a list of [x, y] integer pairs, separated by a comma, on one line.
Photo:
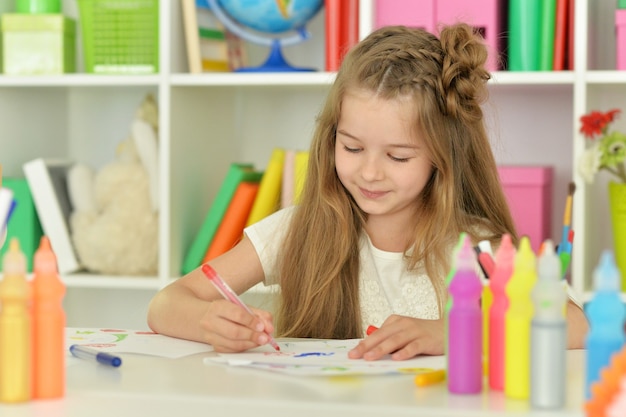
{"points": [[379, 158]]}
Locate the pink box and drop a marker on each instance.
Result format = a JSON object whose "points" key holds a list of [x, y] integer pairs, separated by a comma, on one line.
{"points": [[488, 16], [411, 13], [620, 39], [528, 190]]}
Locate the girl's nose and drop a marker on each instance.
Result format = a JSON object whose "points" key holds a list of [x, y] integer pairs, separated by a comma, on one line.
{"points": [[371, 170]]}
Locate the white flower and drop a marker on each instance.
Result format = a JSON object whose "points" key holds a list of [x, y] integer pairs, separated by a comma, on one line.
{"points": [[589, 163]]}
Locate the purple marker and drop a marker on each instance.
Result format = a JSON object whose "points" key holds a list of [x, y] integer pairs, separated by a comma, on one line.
{"points": [[464, 353]]}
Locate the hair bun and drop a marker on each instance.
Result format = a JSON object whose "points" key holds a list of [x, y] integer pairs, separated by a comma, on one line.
{"points": [[464, 75]]}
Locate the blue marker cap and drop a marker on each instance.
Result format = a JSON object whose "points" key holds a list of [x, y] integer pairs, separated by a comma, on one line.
{"points": [[108, 359], [606, 275]]}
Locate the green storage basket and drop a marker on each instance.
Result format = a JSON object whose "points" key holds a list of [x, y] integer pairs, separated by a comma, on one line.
{"points": [[120, 36]]}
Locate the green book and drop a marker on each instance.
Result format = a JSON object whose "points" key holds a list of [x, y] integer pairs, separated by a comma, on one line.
{"points": [[524, 35], [546, 44], [24, 223], [237, 173]]}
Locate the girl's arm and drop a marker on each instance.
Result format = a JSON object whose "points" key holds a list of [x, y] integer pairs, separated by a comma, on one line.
{"points": [[577, 326], [191, 308]]}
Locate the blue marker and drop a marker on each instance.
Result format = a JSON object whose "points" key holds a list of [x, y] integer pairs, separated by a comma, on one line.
{"points": [[104, 358], [606, 316]]}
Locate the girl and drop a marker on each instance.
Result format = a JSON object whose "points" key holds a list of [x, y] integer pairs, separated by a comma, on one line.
{"points": [[400, 165]]}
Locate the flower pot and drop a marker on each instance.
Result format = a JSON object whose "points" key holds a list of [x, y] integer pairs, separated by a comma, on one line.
{"points": [[617, 202]]}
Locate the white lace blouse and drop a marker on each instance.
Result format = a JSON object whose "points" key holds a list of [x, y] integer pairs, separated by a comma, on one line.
{"points": [[386, 287]]}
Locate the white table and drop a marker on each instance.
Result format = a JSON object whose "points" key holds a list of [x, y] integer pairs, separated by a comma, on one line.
{"points": [[154, 387]]}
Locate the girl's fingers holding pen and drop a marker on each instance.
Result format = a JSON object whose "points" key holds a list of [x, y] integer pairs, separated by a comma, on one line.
{"points": [[225, 345], [230, 328], [266, 318], [403, 338], [369, 346]]}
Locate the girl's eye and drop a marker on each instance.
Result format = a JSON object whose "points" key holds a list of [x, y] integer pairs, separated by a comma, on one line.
{"points": [[351, 150], [393, 158]]}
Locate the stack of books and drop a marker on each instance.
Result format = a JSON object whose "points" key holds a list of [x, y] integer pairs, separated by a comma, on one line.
{"points": [[246, 196]]}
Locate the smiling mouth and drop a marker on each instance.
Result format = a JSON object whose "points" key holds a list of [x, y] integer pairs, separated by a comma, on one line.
{"points": [[372, 194]]}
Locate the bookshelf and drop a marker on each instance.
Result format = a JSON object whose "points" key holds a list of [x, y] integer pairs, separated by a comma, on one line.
{"points": [[209, 120]]}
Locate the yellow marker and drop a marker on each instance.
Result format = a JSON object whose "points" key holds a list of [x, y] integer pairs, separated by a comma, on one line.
{"points": [[15, 359], [517, 323], [430, 378], [486, 301]]}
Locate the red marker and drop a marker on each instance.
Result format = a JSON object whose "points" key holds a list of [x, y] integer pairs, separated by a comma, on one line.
{"points": [[370, 330]]}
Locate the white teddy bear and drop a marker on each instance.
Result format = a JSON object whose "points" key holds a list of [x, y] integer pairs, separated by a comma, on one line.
{"points": [[114, 224]]}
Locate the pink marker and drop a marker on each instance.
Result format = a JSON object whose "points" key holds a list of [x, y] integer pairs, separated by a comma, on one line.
{"points": [[465, 368], [230, 295]]}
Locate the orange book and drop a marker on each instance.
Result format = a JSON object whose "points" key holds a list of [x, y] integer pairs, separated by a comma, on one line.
{"points": [[560, 35], [231, 228]]}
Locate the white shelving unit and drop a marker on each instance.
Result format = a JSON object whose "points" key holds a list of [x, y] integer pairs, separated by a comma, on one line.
{"points": [[209, 120]]}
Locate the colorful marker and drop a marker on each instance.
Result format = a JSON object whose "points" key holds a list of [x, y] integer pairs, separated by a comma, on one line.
{"points": [[517, 323], [430, 378], [230, 295], [500, 304], [548, 333], [465, 354], [606, 316], [48, 324], [15, 328], [88, 353], [370, 330]]}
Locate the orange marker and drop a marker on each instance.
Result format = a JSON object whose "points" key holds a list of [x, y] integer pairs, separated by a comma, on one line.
{"points": [[48, 324], [430, 378]]}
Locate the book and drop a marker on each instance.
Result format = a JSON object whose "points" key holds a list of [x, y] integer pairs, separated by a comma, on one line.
{"points": [[524, 35], [350, 25], [6, 206], [569, 58], [560, 35], [231, 228], [267, 200], [24, 223], [547, 35], [210, 47], [47, 180], [341, 30], [288, 179], [237, 173], [302, 165]]}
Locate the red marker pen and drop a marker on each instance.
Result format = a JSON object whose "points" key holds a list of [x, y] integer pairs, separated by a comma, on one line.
{"points": [[370, 329]]}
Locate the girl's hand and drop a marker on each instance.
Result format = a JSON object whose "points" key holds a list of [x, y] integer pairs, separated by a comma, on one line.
{"points": [[229, 328], [403, 338]]}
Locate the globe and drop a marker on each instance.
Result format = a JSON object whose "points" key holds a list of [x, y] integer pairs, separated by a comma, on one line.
{"points": [[274, 19]]}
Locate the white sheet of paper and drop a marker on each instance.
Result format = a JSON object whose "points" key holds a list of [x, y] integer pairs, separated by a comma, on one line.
{"points": [[323, 357], [133, 341]]}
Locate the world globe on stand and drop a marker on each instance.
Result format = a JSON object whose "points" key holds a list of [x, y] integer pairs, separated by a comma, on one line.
{"points": [[274, 19]]}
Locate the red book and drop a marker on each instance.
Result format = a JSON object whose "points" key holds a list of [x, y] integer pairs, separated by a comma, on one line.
{"points": [[350, 24], [231, 228], [570, 36], [560, 34], [342, 30]]}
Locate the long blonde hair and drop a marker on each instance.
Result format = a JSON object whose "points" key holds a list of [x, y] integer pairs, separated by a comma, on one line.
{"points": [[446, 78]]}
